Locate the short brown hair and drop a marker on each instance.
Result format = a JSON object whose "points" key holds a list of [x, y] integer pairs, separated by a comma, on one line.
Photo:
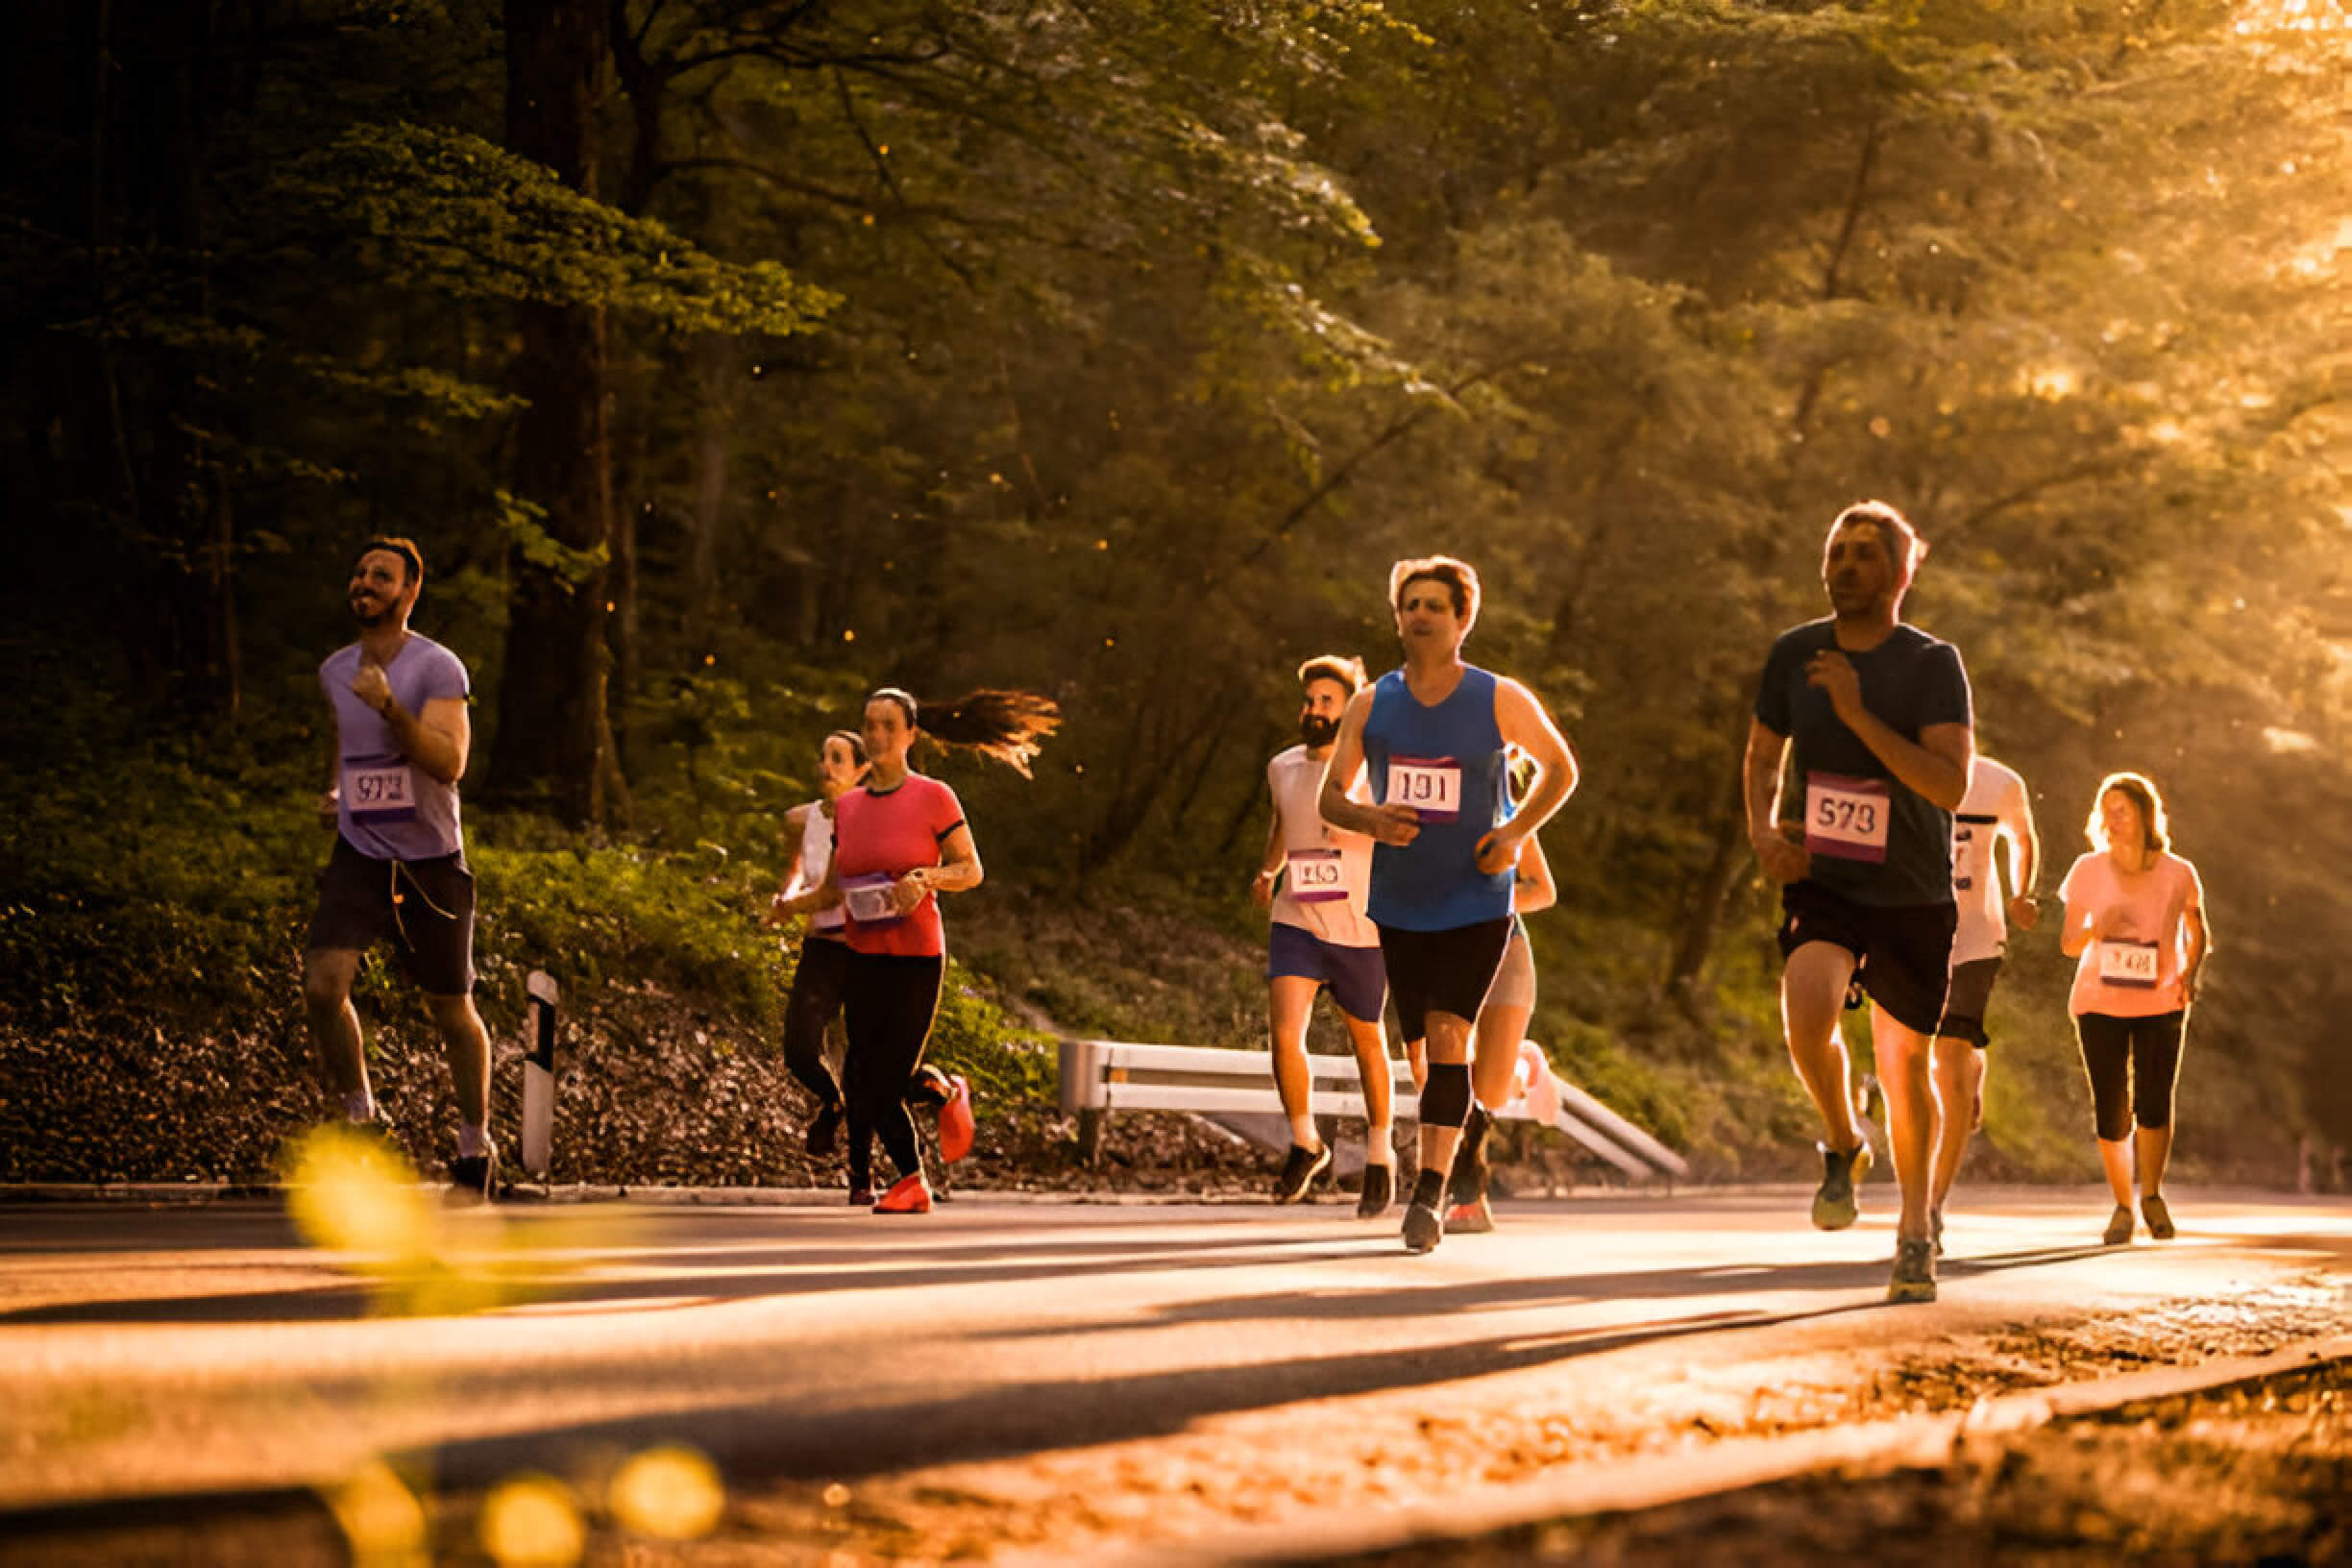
{"points": [[1460, 578], [412, 559], [1348, 671], [2143, 793], [1905, 549]]}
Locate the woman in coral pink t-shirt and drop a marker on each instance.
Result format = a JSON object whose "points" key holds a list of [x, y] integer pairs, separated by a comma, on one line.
{"points": [[2135, 916], [899, 842]]}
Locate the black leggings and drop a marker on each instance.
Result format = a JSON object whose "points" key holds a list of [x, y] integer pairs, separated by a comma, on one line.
{"points": [[816, 1000], [2133, 1064], [889, 1001]]}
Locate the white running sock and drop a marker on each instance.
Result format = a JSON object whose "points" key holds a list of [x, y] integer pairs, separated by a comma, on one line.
{"points": [[472, 1142], [360, 1106]]}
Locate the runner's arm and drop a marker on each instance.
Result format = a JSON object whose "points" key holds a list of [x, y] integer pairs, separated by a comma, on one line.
{"points": [[783, 905], [2024, 864], [2074, 935], [437, 740], [1525, 724], [1532, 887], [2200, 947], [1783, 858], [1936, 765], [1269, 863], [959, 868], [1395, 822]]}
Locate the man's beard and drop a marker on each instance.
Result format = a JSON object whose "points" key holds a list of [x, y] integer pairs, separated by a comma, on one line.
{"points": [[1318, 731]]}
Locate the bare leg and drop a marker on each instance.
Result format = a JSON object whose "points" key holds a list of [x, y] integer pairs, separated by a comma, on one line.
{"points": [[1912, 1113], [1499, 1030], [1371, 1044], [1289, 1000], [2115, 1155], [1812, 996], [1449, 1040], [335, 1044], [1416, 1058], [467, 1045], [1959, 1077], [2154, 1147]]}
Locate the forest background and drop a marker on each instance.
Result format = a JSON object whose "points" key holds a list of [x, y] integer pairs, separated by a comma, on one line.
{"points": [[730, 358]]}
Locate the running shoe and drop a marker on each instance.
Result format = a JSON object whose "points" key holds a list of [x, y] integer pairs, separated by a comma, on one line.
{"points": [[908, 1195], [929, 1087], [474, 1177], [1299, 1171], [1424, 1226], [1379, 1191], [1834, 1205], [2118, 1226], [955, 1120], [1869, 1100], [824, 1133], [1914, 1277], [1473, 1218], [2159, 1218], [861, 1198]]}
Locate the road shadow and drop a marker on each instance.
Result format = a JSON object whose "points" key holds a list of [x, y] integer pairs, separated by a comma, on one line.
{"points": [[740, 1273], [762, 1441]]}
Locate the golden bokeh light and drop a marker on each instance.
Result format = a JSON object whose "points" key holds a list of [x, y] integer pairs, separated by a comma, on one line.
{"points": [[532, 1521], [380, 1518], [672, 1493]]}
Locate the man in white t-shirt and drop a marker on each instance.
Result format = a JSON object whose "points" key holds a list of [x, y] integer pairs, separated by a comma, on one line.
{"points": [[1314, 878], [1993, 812]]}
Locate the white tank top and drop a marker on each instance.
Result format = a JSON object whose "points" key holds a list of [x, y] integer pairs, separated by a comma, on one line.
{"points": [[1342, 860], [817, 859]]}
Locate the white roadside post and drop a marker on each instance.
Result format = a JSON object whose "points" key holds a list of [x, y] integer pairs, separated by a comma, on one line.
{"points": [[538, 1071]]}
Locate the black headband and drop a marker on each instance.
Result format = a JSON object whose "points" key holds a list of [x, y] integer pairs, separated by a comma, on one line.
{"points": [[416, 566]]}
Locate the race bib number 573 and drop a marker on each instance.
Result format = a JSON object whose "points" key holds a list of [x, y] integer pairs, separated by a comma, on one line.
{"points": [[1429, 785], [1846, 818]]}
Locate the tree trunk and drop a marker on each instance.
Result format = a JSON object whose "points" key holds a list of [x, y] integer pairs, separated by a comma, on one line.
{"points": [[553, 739]]}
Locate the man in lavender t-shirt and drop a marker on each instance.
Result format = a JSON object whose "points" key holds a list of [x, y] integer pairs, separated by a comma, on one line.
{"points": [[398, 873]]}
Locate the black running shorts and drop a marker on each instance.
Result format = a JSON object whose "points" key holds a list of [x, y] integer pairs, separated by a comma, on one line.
{"points": [[1972, 992], [1441, 971], [1903, 951], [425, 908]]}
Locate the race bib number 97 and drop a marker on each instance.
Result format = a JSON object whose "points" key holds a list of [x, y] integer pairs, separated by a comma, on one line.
{"points": [[379, 794], [1318, 876], [1846, 818], [867, 898], [1429, 785], [2129, 964]]}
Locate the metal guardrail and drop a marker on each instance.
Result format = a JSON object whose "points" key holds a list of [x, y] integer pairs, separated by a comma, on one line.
{"points": [[1100, 1076]]}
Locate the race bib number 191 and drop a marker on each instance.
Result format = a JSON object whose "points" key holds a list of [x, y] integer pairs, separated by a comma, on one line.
{"points": [[378, 795], [2129, 964], [1429, 785], [1846, 818], [1318, 876]]}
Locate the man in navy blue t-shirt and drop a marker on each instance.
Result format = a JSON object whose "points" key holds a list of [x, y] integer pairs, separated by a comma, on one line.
{"points": [[1871, 717]]}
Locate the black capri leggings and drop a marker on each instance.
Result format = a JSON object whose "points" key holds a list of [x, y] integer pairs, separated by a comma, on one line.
{"points": [[889, 1003], [817, 986], [2133, 1064]]}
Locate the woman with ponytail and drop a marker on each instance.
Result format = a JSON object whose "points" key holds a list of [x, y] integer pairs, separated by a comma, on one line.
{"points": [[899, 842]]}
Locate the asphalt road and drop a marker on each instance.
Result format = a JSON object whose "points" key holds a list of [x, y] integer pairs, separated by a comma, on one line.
{"points": [[1025, 1378]]}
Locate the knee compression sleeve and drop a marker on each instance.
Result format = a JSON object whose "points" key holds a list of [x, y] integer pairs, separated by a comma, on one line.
{"points": [[1445, 1099]]}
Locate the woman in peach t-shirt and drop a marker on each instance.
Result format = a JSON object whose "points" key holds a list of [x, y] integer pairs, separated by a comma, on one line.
{"points": [[2135, 914]]}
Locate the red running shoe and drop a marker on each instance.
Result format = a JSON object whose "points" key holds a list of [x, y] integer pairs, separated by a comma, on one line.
{"points": [[955, 1120], [908, 1195]]}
